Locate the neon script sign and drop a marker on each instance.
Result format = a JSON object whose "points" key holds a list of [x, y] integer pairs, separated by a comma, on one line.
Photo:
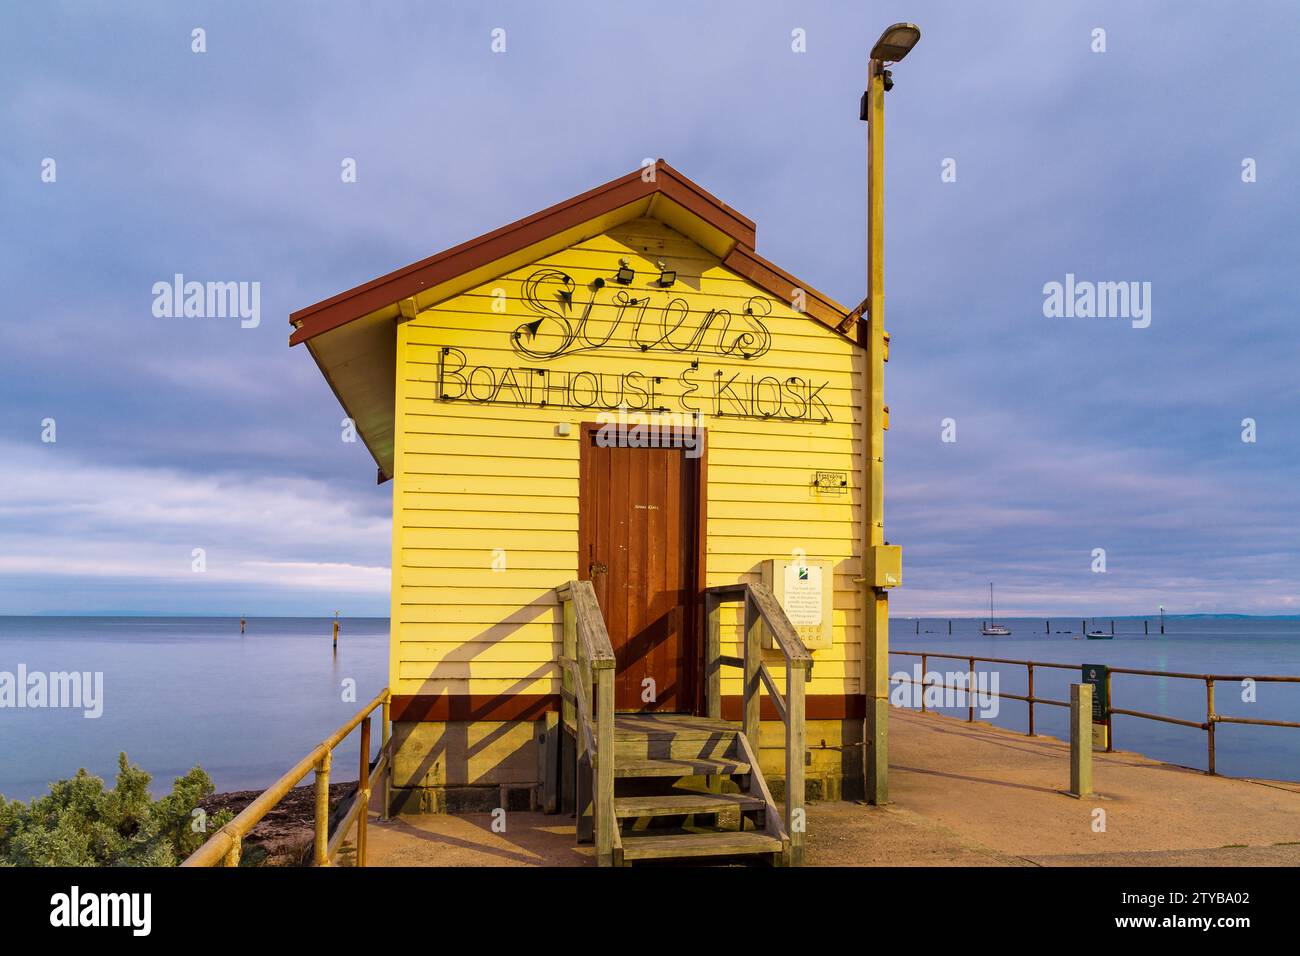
{"points": [[634, 322]]}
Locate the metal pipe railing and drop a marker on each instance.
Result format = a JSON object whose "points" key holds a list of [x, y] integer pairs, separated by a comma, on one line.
{"points": [[225, 846], [1208, 724]]}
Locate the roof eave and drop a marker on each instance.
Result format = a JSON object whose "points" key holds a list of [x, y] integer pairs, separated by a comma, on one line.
{"points": [[413, 279]]}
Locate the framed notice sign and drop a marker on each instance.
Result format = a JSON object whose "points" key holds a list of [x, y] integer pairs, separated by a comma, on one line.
{"points": [[1097, 676], [805, 591]]}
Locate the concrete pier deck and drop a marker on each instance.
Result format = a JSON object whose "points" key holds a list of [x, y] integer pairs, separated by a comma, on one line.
{"points": [[964, 795]]}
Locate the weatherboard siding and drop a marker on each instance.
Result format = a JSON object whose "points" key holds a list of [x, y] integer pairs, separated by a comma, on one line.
{"points": [[472, 478]]}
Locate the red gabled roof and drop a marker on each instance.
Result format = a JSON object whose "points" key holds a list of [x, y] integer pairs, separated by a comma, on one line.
{"points": [[383, 292]]}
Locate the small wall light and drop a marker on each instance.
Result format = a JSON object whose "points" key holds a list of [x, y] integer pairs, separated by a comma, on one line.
{"points": [[666, 276], [625, 273]]}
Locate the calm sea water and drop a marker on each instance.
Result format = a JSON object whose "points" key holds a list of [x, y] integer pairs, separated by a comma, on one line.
{"points": [[185, 691], [1230, 646]]}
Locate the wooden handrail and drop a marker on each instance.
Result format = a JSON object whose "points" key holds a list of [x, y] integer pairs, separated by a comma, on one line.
{"points": [[779, 626], [585, 719], [587, 671], [590, 622], [224, 847], [761, 609]]}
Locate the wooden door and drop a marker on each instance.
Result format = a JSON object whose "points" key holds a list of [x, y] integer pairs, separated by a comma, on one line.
{"points": [[638, 539]]}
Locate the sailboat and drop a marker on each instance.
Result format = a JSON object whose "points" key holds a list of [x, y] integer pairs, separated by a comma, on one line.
{"points": [[1097, 634], [990, 629]]}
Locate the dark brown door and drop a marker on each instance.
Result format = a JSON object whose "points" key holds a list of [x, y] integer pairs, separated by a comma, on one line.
{"points": [[638, 516]]}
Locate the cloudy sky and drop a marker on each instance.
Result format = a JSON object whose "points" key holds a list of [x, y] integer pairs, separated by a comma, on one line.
{"points": [[1072, 433]]}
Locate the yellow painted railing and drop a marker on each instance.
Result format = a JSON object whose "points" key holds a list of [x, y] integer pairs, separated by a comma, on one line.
{"points": [[224, 847]]}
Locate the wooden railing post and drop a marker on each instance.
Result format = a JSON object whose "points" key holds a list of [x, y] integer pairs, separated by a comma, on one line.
{"points": [[569, 648], [761, 611], [582, 765], [795, 678], [568, 751], [320, 853], [385, 730], [605, 821], [752, 717], [712, 651], [924, 671], [363, 791]]}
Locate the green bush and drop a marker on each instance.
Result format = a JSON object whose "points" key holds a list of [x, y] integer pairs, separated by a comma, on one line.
{"points": [[80, 823]]}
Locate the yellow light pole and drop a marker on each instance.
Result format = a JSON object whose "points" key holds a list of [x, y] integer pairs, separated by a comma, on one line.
{"points": [[882, 563]]}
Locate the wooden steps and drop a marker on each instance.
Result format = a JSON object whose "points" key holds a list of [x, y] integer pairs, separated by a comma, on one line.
{"points": [[698, 767], [692, 845], [653, 754], [682, 803], [672, 737], [635, 775], [680, 726]]}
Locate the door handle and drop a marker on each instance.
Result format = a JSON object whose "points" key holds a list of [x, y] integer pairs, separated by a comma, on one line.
{"points": [[597, 568]]}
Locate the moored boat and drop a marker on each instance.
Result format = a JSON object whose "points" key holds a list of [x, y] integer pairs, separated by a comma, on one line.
{"points": [[990, 629]]}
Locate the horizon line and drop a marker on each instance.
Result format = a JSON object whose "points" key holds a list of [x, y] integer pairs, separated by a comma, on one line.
{"points": [[896, 617]]}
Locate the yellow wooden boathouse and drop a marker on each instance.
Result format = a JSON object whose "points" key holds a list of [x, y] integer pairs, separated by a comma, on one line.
{"points": [[631, 464]]}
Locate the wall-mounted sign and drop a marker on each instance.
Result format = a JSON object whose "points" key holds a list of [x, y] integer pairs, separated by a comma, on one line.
{"points": [[805, 590], [602, 318], [831, 482], [720, 393], [801, 597]]}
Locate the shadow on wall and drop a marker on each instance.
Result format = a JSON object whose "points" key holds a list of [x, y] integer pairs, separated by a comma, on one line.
{"points": [[455, 747]]}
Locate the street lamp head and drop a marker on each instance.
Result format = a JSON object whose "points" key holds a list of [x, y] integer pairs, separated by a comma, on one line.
{"points": [[896, 42]]}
